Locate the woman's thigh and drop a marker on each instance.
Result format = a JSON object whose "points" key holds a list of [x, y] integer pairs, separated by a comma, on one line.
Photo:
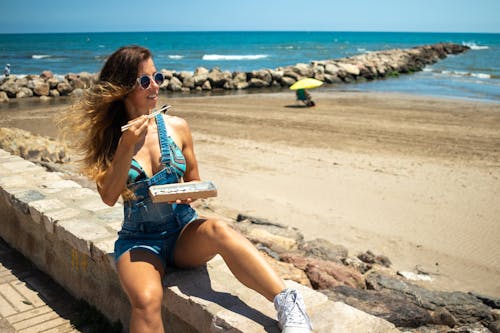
{"points": [[141, 273], [195, 245]]}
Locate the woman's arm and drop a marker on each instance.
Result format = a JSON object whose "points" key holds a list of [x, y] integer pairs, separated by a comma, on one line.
{"points": [[184, 140], [183, 132], [111, 184], [192, 172]]}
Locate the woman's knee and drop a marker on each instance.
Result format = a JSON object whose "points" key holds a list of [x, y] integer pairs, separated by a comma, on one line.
{"points": [[220, 231], [147, 299]]}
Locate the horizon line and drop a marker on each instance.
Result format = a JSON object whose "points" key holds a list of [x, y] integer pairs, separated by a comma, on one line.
{"points": [[232, 31]]}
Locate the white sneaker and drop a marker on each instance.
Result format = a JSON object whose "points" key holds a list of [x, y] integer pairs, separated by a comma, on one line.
{"points": [[292, 316]]}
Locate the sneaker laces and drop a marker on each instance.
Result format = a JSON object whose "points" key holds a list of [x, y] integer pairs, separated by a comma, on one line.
{"points": [[292, 310]]}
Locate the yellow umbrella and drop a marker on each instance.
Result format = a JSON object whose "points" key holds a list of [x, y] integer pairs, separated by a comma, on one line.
{"points": [[308, 83]]}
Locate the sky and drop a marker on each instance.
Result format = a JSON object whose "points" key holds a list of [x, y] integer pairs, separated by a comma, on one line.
{"points": [[254, 15]]}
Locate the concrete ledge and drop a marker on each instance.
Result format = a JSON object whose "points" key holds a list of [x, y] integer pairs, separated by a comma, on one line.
{"points": [[67, 232]]}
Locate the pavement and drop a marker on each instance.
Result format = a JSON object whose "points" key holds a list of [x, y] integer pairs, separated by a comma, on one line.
{"points": [[30, 301]]}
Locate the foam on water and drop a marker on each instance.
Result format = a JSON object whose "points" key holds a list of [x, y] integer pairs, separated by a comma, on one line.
{"points": [[40, 56], [214, 57], [474, 46]]}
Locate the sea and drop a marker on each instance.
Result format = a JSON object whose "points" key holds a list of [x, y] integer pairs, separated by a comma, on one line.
{"points": [[472, 75]]}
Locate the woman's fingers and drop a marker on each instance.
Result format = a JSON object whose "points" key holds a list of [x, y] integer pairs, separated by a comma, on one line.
{"points": [[183, 201], [143, 124], [137, 129], [138, 123]]}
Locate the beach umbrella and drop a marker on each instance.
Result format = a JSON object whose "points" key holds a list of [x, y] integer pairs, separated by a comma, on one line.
{"points": [[308, 83]]}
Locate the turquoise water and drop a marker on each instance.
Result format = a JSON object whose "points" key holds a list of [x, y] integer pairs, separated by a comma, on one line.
{"points": [[474, 74]]}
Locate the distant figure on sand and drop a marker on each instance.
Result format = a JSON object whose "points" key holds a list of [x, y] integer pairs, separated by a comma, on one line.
{"points": [[305, 97], [154, 236], [6, 70]]}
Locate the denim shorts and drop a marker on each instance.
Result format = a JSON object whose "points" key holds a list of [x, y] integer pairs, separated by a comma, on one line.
{"points": [[159, 237]]}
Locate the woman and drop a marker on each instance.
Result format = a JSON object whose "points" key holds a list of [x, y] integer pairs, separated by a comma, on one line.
{"points": [[152, 152]]}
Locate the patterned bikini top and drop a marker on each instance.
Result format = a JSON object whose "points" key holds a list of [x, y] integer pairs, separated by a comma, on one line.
{"points": [[171, 156]]}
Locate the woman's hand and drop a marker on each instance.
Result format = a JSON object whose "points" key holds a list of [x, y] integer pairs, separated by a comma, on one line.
{"points": [[136, 132], [112, 182], [183, 201]]}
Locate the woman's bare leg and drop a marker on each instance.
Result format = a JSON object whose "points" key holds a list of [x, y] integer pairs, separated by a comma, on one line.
{"points": [[203, 239], [141, 275]]}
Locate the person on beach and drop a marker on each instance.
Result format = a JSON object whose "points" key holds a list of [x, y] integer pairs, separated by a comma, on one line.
{"points": [[156, 151], [305, 96], [6, 70]]}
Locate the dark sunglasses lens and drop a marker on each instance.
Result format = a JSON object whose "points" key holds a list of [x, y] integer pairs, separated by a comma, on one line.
{"points": [[159, 78], [145, 81]]}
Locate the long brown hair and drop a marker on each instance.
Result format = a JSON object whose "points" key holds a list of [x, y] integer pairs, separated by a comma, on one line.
{"points": [[94, 121]]}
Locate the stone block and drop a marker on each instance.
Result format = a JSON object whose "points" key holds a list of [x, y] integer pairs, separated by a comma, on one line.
{"points": [[16, 299], [29, 314], [196, 311], [13, 181], [217, 262], [267, 238], [111, 217], [21, 199], [75, 194], [91, 203], [104, 248], [22, 166], [112, 226], [29, 294], [49, 220], [38, 208], [341, 318], [6, 309], [4, 153], [58, 185], [236, 320], [79, 233]]}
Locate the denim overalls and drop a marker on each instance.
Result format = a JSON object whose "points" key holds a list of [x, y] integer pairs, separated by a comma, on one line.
{"points": [[155, 226]]}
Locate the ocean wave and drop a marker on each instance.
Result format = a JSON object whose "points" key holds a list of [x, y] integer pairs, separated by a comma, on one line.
{"points": [[463, 73], [40, 56], [212, 57], [481, 75], [363, 50], [474, 46], [175, 56]]}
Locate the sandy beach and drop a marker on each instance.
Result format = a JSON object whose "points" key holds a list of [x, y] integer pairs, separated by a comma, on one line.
{"points": [[414, 178]]}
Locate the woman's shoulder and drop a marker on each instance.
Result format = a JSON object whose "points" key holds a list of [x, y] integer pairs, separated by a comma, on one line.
{"points": [[177, 123]]}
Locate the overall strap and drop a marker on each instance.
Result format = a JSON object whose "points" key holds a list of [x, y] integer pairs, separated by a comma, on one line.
{"points": [[163, 137]]}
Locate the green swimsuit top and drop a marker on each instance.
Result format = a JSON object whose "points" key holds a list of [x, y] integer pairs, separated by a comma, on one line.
{"points": [[177, 164]]}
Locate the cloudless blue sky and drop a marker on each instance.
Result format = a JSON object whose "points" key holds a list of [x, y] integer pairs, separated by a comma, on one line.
{"points": [[209, 15]]}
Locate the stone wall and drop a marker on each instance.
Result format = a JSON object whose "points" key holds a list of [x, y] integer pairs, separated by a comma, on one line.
{"points": [[368, 66], [67, 232]]}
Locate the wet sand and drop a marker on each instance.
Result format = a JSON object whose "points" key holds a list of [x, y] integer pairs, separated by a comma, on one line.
{"points": [[414, 178]]}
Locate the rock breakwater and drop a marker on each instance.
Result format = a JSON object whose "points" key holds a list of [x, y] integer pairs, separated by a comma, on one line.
{"points": [[368, 66], [32, 147], [366, 282]]}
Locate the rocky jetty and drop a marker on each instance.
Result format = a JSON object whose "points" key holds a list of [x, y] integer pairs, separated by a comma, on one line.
{"points": [[31, 147], [367, 66], [367, 282]]}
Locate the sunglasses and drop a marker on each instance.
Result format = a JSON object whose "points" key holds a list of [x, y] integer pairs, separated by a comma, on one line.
{"points": [[145, 80]]}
